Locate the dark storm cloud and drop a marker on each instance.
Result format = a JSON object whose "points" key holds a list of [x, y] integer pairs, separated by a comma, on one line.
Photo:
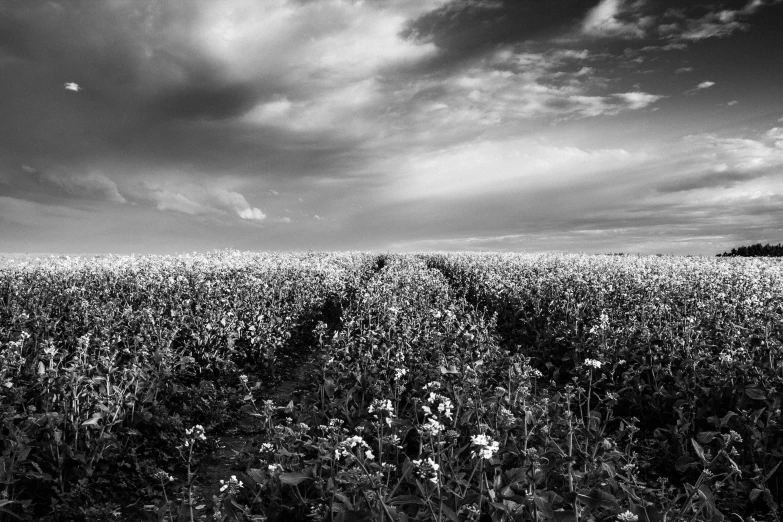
{"points": [[464, 27], [216, 102]]}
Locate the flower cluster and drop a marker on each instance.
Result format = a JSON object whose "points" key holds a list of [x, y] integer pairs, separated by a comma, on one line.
{"points": [[627, 517], [593, 363], [344, 449], [163, 476], [485, 446], [440, 403], [732, 436], [193, 434], [233, 485], [432, 427], [426, 469], [382, 408]]}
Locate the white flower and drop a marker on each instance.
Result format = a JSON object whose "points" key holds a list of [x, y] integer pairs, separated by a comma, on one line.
{"points": [[195, 433], [427, 469], [345, 447], [432, 427], [444, 404], [627, 517], [233, 485], [486, 447], [593, 363], [382, 406]]}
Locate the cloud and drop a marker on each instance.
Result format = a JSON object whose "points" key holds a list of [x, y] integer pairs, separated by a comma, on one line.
{"points": [[706, 181], [479, 169], [513, 84], [742, 154], [616, 18], [705, 85], [212, 102], [252, 214], [465, 29], [176, 201], [638, 100], [72, 86], [641, 19], [718, 23], [684, 70], [729, 162], [195, 199], [92, 185], [236, 202]]}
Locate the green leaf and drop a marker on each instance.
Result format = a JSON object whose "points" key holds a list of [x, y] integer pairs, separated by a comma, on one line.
{"points": [[769, 475], [450, 513], [342, 498], [699, 452], [597, 498], [705, 437], [407, 499], [544, 507], [294, 478], [755, 393], [256, 475], [329, 387], [93, 422]]}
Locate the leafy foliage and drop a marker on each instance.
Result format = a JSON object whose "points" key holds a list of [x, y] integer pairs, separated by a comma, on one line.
{"points": [[450, 387]]}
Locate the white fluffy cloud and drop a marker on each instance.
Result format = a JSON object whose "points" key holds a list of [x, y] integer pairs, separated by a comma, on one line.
{"points": [[638, 100], [194, 199], [311, 46]]}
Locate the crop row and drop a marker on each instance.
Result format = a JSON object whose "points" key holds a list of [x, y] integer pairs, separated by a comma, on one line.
{"points": [[449, 387]]}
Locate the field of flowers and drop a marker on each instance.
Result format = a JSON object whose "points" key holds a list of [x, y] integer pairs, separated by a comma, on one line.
{"points": [[448, 387]]}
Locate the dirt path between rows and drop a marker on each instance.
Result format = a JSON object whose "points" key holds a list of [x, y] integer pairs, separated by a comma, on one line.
{"points": [[237, 446]]}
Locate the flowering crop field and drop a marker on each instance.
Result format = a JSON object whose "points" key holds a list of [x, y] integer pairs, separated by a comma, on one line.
{"points": [[444, 387]]}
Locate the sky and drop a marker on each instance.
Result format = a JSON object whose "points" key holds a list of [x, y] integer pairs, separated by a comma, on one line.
{"points": [[601, 126]]}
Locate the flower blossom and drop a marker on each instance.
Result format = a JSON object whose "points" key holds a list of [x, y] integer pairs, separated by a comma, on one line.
{"points": [[427, 469], [627, 517], [233, 485], [486, 447], [444, 405], [345, 447], [432, 427], [593, 363]]}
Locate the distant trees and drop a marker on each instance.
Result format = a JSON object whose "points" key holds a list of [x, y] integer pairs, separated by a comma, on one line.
{"points": [[757, 250]]}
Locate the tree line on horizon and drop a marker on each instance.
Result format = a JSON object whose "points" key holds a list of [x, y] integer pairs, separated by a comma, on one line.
{"points": [[757, 250]]}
